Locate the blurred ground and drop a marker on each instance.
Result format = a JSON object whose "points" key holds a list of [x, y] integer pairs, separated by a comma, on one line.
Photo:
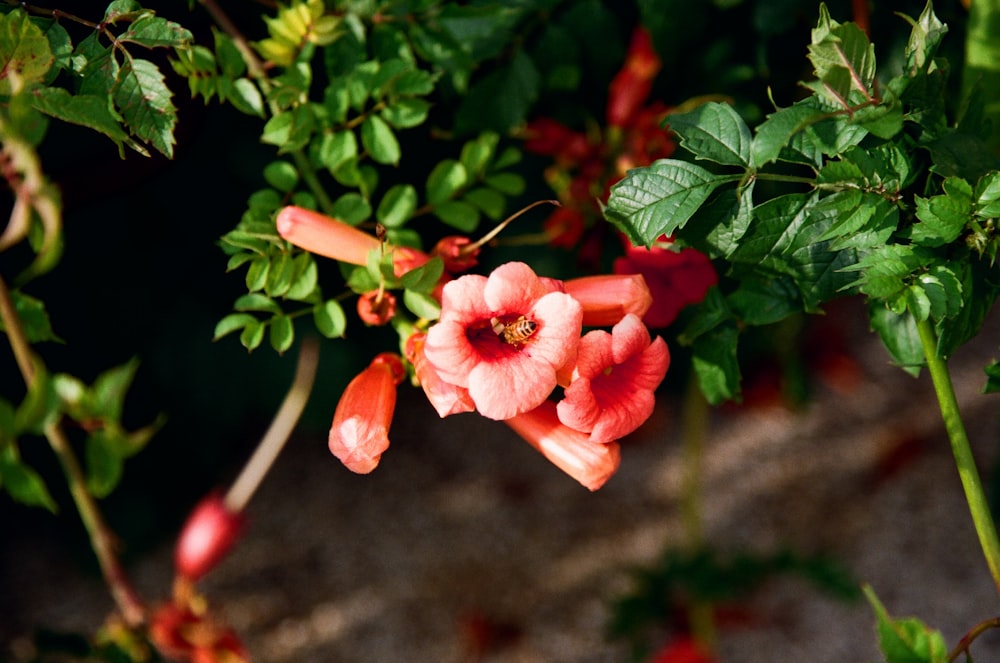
{"points": [[466, 545]]}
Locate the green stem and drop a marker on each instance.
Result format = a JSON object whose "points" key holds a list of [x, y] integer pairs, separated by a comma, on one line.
{"points": [[694, 428], [101, 539], [961, 450]]}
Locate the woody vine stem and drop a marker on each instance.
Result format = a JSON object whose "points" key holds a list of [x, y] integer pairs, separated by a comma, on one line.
{"points": [[961, 450]]}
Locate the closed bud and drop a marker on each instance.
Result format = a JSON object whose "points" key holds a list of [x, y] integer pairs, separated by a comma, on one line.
{"points": [[209, 533]]}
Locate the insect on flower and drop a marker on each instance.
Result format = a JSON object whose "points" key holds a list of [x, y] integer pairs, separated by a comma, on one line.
{"points": [[515, 333]]}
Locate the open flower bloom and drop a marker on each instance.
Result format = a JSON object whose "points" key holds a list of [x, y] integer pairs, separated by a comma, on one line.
{"points": [[504, 338], [446, 398], [675, 279], [571, 451], [360, 431], [611, 393], [607, 298]]}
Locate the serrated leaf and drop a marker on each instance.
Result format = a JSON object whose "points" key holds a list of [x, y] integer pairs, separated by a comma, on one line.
{"points": [[660, 198], [21, 482], [144, 101], [25, 54], [943, 217], [397, 206], [85, 110], [379, 140], [154, 32], [714, 132], [987, 195], [843, 59], [925, 36], [330, 319], [282, 333], [776, 132], [885, 270], [422, 305], [231, 323], [759, 301]]}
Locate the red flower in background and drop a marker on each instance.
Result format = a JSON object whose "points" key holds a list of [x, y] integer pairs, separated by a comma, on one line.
{"points": [[684, 650], [631, 86], [675, 278]]}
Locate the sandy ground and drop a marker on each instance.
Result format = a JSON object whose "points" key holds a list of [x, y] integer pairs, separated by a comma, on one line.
{"points": [[464, 524]]}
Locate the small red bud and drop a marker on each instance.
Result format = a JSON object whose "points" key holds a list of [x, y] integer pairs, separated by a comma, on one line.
{"points": [[209, 533]]}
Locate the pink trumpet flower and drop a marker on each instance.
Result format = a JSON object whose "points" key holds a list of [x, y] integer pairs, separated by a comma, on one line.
{"points": [[446, 398], [571, 451], [504, 338], [607, 298], [360, 431], [612, 390]]}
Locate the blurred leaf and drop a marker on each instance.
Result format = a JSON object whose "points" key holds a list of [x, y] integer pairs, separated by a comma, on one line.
{"points": [[424, 279], [252, 335], [406, 113], [992, 371], [21, 482], [517, 84], [231, 323], [397, 206], [906, 640], [379, 140], [458, 214], [715, 363], [351, 208], [445, 180], [899, 336], [337, 147], [489, 201], [281, 175], [421, 305], [304, 278], [34, 318], [256, 301], [510, 184]]}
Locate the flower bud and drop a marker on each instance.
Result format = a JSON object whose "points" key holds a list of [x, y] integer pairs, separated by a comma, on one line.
{"points": [[209, 533], [376, 308]]}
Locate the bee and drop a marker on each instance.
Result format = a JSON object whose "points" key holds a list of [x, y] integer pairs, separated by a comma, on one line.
{"points": [[515, 333]]}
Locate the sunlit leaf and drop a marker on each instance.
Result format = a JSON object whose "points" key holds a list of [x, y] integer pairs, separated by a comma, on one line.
{"points": [[714, 132], [144, 101]]}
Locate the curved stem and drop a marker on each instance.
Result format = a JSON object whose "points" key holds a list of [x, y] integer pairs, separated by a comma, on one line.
{"points": [[975, 496], [101, 539], [966, 641], [694, 428]]}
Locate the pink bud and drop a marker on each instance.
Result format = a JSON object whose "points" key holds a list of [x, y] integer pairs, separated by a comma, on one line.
{"points": [[209, 533]]}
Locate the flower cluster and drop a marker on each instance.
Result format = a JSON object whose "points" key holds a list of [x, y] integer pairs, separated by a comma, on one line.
{"points": [[586, 165], [503, 346]]}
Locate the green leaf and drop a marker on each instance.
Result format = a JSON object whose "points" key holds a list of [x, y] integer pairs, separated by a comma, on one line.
{"points": [[489, 201], [510, 184], [85, 110], [843, 60], [425, 278], [281, 175], [397, 206], [351, 208], [776, 132], [899, 336], [906, 640], [660, 198], [445, 180], [25, 54], [330, 319], [22, 482], [379, 140], [243, 94], [422, 305], [943, 217], [885, 270], [256, 301], [406, 113], [992, 371], [252, 335], [290, 130], [282, 333], [305, 277], [257, 273], [760, 301], [458, 214], [105, 463], [987, 195], [34, 318], [231, 323], [714, 132], [144, 101], [715, 363], [925, 36], [279, 276], [107, 395], [476, 153], [154, 32], [336, 148]]}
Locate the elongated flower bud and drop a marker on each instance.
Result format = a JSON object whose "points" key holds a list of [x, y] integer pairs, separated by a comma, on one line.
{"points": [[319, 234], [608, 298], [590, 463], [208, 535], [360, 431]]}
